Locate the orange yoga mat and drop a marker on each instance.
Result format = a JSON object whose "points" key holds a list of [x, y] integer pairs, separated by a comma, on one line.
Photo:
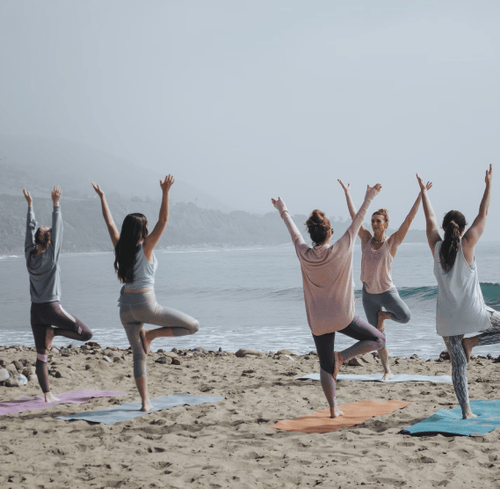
{"points": [[354, 413]]}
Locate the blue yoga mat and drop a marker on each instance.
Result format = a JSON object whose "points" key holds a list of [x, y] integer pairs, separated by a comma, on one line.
{"points": [[378, 378], [451, 422], [130, 410]]}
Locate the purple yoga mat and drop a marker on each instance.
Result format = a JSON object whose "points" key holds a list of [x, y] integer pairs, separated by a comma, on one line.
{"points": [[73, 397]]}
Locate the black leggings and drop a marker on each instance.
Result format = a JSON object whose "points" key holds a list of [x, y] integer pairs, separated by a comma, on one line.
{"points": [[48, 314], [369, 339]]}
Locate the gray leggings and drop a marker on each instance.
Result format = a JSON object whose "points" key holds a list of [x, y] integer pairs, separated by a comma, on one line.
{"points": [[390, 301], [459, 360], [137, 309]]}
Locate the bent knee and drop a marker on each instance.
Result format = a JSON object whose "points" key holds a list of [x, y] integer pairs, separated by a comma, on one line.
{"points": [[194, 326], [87, 335]]}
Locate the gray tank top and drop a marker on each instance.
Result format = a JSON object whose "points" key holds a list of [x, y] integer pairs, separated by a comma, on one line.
{"points": [[144, 271]]}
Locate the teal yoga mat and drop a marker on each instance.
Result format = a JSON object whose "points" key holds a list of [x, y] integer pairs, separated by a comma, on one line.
{"points": [[378, 378], [130, 410], [451, 422]]}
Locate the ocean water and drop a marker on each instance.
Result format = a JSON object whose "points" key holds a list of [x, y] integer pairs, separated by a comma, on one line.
{"points": [[243, 298]]}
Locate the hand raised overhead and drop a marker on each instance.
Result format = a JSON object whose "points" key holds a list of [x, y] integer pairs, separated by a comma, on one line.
{"points": [[27, 196], [167, 183]]}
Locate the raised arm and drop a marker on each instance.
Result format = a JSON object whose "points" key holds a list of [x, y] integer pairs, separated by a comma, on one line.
{"points": [[476, 230], [431, 228], [153, 238], [397, 238], [363, 233], [108, 218], [285, 215], [57, 222], [30, 222], [357, 221]]}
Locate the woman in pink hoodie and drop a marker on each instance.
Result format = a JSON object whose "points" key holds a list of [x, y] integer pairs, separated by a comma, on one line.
{"points": [[329, 292]]}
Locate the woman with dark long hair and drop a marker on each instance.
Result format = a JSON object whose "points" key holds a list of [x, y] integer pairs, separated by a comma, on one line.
{"points": [[460, 304], [48, 318], [329, 292], [135, 265], [381, 299]]}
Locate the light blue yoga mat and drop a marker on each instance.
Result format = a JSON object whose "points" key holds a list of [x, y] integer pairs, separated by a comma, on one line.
{"points": [[378, 378], [130, 410], [451, 422]]}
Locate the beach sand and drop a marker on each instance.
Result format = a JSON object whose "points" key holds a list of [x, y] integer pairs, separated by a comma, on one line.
{"points": [[230, 443]]}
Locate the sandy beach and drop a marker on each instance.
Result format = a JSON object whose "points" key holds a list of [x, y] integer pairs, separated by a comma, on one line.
{"points": [[231, 443]]}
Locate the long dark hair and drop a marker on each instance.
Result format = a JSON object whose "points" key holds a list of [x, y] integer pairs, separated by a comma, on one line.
{"points": [[42, 239], [453, 225], [134, 230], [318, 226]]}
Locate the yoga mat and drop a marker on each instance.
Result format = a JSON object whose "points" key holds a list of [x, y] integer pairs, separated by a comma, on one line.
{"points": [[73, 397], [451, 422], [130, 410], [378, 378], [354, 413]]}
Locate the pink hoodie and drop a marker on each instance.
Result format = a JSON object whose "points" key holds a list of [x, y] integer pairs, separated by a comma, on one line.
{"points": [[327, 273]]}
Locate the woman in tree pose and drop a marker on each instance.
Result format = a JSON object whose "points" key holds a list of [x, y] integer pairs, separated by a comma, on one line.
{"points": [[135, 265], [460, 304], [42, 249], [329, 292], [378, 251]]}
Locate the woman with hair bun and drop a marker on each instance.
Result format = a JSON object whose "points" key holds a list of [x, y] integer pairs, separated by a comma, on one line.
{"points": [[460, 304], [135, 265], [329, 292], [381, 299], [42, 249]]}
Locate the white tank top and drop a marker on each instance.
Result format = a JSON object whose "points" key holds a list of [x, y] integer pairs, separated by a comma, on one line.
{"points": [[376, 268], [460, 303]]}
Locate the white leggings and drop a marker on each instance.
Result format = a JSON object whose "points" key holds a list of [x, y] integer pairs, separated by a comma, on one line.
{"points": [[459, 360], [137, 309]]}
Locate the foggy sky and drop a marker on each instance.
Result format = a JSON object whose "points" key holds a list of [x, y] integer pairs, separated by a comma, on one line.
{"points": [[249, 100]]}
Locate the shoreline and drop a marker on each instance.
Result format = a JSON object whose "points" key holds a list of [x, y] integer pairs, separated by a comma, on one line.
{"points": [[231, 443]]}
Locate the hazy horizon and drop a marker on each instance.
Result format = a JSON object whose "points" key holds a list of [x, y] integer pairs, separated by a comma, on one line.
{"points": [[248, 101]]}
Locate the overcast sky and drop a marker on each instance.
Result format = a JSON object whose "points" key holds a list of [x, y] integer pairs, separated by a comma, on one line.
{"points": [[249, 100]]}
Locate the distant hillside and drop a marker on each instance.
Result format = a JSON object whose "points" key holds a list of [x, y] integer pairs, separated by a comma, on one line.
{"points": [[40, 163], [189, 225]]}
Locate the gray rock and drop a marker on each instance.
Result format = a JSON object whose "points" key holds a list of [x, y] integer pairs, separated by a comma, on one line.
{"points": [[4, 374], [107, 359], [16, 381], [19, 365], [243, 352], [29, 372], [12, 369]]}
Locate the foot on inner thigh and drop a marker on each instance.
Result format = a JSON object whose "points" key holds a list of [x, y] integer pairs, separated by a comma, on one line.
{"points": [[335, 412], [49, 397], [468, 344], [382, 316], [146, 406], [49, 338], [146, 341], [339, 360]]}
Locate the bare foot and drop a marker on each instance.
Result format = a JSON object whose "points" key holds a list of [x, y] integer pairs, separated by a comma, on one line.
{"points": [[335, 412], [387, 376], [339, 360], [49, 397], [468, 344], [146, 406], [49, 338], [382, 316], [468, 414], [146, 344]]}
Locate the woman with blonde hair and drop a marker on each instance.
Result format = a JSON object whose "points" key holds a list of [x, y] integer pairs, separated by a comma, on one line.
{"points": [[381, 299], [329, 292]]}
